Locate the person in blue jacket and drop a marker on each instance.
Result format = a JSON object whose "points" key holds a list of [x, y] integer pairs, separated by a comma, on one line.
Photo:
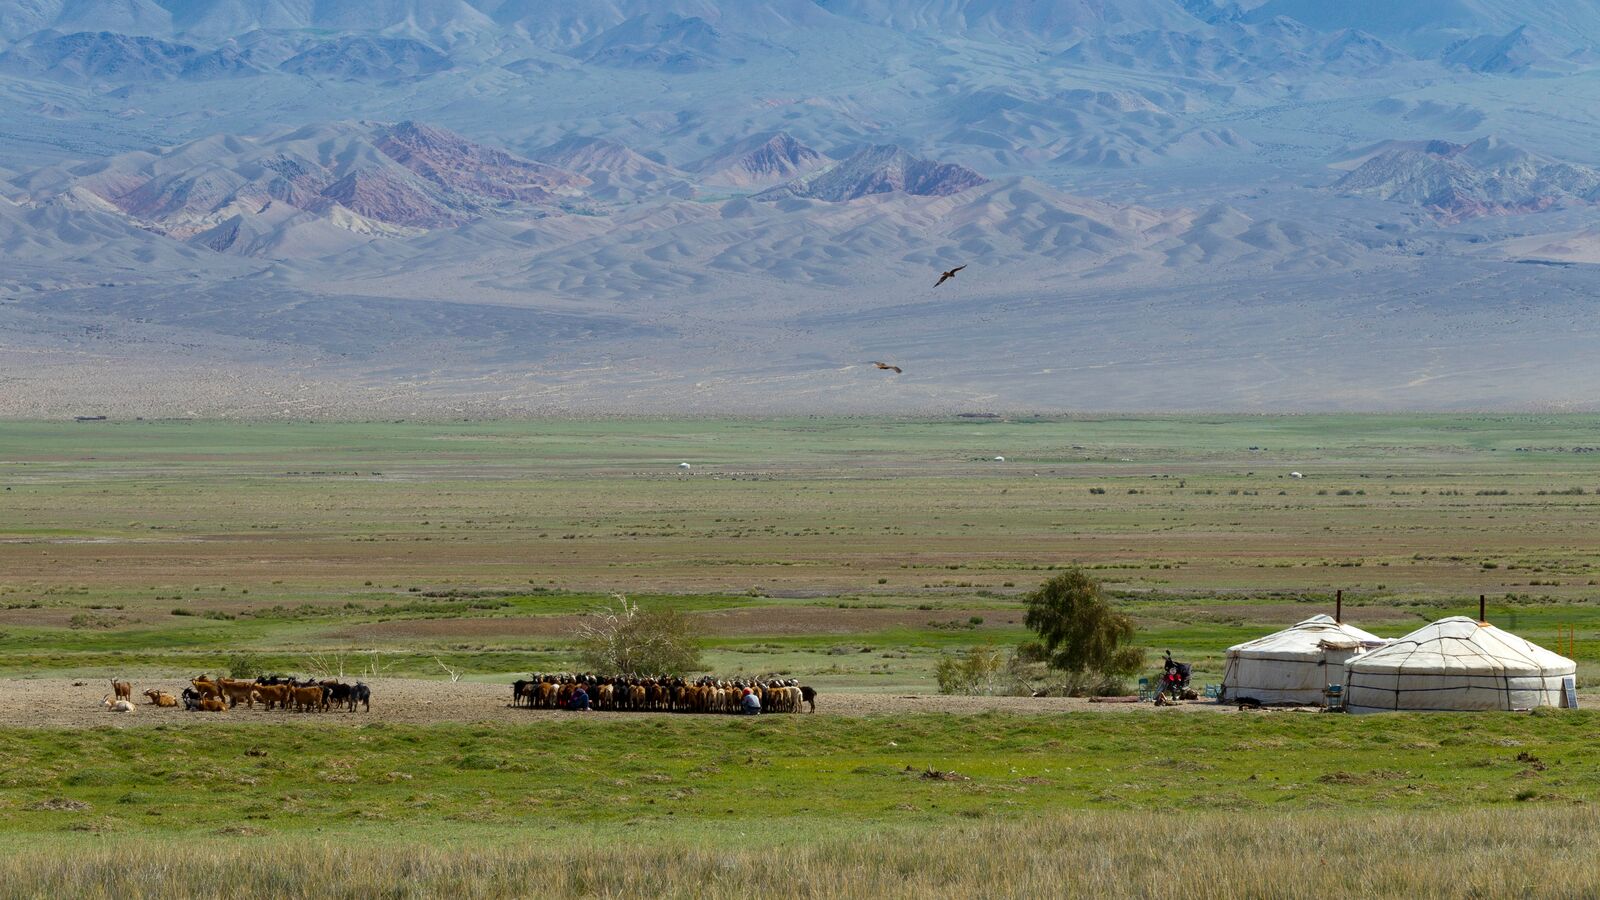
{"points": [[580, 700], [751, 704]]}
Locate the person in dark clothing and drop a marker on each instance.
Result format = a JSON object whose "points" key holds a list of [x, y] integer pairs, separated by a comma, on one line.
{"points": [[580, 700]]}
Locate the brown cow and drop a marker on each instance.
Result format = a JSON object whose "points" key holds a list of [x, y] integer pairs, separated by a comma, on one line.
{"points": [[161, 698]]}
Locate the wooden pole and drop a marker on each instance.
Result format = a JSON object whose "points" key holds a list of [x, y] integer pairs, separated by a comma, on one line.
{"points": [[1338, 606], [1482, 618]]}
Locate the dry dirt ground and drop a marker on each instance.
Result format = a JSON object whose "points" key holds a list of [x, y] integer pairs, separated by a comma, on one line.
{"points": [[69, 703]]}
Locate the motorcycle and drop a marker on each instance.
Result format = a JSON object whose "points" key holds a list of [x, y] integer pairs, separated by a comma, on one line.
{"points": [[1174, 681]]}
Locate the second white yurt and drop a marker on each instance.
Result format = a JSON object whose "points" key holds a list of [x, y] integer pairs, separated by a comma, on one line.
{"points": [[1296, 664], [1457, 664]]}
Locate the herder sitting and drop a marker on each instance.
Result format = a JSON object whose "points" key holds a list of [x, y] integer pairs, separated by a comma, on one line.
{"points": [[580, 700], [751, 704]]}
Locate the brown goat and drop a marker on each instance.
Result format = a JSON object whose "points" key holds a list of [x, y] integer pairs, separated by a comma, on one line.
{"points": [[211, 704], [123, 689], [234, 691], [308, 698], [275, 695], [161, 698]]}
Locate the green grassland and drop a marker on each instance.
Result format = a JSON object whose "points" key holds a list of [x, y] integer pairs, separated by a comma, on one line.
{"points": [[779, 774], [169, 546], [850, 553]]}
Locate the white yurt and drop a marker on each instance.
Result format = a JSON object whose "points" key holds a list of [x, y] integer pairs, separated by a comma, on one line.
{"points": [[1457, 664], [1294, 665]]}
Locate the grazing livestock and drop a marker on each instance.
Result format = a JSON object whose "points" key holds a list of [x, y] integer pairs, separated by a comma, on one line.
{"points": [[271, 695], [234, 690], [661, 693], [210, 704], [310, 699], [338, 693], [123, 689], [363, 695], [206, 686], [117, 705], [161, 698]]}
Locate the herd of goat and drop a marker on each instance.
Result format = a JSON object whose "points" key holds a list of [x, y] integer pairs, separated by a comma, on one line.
{"points": [[661, 694], [540, 691], [207, 694]]}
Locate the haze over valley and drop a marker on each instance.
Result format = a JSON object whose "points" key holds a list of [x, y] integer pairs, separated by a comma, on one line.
{"points": [[515, 207]]}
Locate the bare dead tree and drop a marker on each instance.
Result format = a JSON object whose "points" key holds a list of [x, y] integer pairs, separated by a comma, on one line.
{"points": [[455, 674]]}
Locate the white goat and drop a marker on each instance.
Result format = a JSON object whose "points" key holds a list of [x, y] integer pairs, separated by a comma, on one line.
{"points": [[116, 705]]}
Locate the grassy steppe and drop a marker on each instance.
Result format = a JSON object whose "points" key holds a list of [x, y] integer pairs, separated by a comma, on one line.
{"points": [[1136, 804], [149, 547], [846, 552]]}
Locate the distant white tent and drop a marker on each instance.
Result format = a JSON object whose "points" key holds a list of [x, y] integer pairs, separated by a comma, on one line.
{"points": [[1457, 664], [1294, 665]]}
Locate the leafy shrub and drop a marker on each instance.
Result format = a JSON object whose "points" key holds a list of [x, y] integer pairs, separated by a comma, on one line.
{"points": [[626, 640], [975, 672], [244, 665]]}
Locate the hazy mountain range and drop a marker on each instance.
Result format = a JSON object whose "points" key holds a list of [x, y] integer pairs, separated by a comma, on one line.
{"points": [[440, 207]]}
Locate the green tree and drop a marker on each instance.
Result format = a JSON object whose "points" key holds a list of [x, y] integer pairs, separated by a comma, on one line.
{"points": [[1079, 629], [627, 640]]}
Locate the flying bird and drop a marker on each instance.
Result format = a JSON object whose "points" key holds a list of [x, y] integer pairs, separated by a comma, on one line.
{"points": [[881, 365], [948, 275]]}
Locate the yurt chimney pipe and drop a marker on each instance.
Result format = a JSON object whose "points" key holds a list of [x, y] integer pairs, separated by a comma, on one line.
{"points": [[1482, 618], [1338, 606]]}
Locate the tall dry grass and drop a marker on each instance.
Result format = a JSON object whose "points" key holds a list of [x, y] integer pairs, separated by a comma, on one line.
{"points": [[1482, 854]]}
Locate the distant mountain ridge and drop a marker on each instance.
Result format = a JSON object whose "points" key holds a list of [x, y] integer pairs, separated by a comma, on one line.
{"points": [[878, 169], [617, 205], [760, 159], [401, 176], [1486, 177]]}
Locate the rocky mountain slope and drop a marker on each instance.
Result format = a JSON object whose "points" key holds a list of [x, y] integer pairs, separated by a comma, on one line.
{"points": [[514, 206], [1487, 177]]}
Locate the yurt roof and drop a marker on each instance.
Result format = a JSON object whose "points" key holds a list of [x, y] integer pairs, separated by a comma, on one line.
{"points": [[1459, 645], [1320, 632]]}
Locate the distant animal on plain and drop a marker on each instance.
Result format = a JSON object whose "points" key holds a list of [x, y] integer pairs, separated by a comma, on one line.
{"points": [[884, 365], [123, 689], [116, 705], [946, 276], [161, 698]]}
